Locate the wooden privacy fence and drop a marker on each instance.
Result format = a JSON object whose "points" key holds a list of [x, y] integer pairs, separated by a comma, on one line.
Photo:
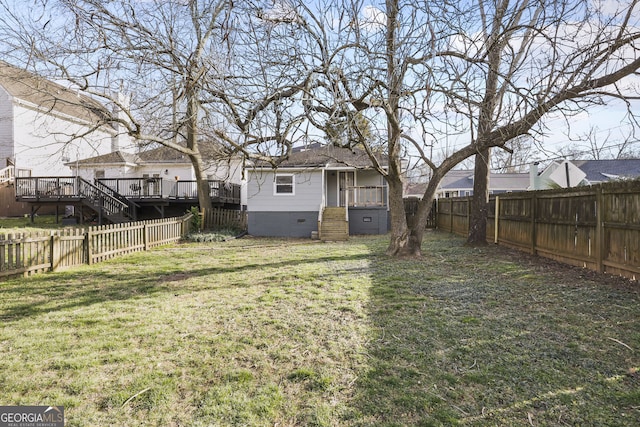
{"points": [[30, 253], [216, 219], [411, 209], [595, 227]]}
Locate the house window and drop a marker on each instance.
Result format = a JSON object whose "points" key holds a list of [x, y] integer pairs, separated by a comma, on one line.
{"points": [[284, 184], [99, 174]]}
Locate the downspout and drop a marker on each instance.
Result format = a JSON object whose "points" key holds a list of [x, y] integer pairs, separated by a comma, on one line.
{"points": [[322, 201]]}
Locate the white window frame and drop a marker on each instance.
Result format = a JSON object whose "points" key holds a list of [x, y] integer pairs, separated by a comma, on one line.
{"points": [[275, 184]]}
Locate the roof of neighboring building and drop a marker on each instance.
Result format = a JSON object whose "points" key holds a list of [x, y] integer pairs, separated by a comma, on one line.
{"points": [[49, 96], [116, 157], [463, 179], [160, 154], [327, 156], [605, 170], [164, 154]]}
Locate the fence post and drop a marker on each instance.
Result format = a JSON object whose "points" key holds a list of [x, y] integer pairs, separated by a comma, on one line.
{"points": [[89, 249], [145, 228], [496, 215], [450, 215], [533, 222], [599, 238], [55, 251], [468, 204]]}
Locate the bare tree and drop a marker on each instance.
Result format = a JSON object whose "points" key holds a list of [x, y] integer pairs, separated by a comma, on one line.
{"points": [[476, 73], [176, 62], [163, 53], [535, 58], [516, 156]]}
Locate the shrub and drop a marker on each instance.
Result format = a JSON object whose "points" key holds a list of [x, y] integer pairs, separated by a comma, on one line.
{"points": [[213, 236]]}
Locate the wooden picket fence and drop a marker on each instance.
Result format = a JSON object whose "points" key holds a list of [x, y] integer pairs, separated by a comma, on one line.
{"points": [[595, 227], [216, 219], [36, 252]]}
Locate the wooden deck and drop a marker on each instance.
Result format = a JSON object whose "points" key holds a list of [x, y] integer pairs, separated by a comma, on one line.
{"points": [[124, 199]]}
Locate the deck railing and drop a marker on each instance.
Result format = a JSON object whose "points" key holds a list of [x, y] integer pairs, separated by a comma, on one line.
{"points": [[7, 174], [46, 187], [149, 188], [137, 188], [367, 196], [67, 188]]}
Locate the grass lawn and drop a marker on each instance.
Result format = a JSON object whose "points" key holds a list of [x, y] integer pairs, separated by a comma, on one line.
{"points": [[24, 224], [265, 332]]}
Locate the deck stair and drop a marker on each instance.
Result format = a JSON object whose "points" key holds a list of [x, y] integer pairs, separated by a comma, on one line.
{"points": [[125, 214], [105, 202], [334, 225]]}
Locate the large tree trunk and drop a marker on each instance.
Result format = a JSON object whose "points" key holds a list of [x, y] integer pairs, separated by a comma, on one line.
{"points": [[400, 242], [204, 192], [416, 232], [479, 204]]}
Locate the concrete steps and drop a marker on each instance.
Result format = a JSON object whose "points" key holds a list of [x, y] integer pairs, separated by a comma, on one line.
{"points": [[334, 226]]}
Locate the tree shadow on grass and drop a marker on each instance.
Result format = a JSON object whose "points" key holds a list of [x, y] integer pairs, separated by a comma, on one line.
{"points": [[488, 336], [81, 287]]}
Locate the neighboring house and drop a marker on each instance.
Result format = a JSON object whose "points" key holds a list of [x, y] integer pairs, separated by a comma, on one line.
{"points": [[161, 171], [459, 183], [572, 173], [327, 190], [39, 120]]}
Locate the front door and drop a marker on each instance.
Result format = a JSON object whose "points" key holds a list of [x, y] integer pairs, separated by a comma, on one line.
{"points": [[346, 180]]}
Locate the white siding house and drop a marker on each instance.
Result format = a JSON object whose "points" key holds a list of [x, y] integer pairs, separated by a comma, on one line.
{"points": [[43, 125], [165, 165], [292, 200]]}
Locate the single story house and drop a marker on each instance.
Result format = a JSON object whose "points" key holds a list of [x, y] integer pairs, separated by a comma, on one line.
{"points": [[322, 190], [459, 183]]}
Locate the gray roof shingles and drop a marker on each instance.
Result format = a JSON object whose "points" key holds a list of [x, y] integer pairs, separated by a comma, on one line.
{"points": [[327, 156]]}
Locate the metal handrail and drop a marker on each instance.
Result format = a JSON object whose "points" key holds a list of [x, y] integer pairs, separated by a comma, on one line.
{"points": [[130, 204], [109, 204]]}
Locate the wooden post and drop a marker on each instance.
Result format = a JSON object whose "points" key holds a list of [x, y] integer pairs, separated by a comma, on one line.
{"points": [[88, 248], [496, 212], [450, 215], [55, 251], [599, 237], [146, 236], [534, 199], [468, 204]]}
